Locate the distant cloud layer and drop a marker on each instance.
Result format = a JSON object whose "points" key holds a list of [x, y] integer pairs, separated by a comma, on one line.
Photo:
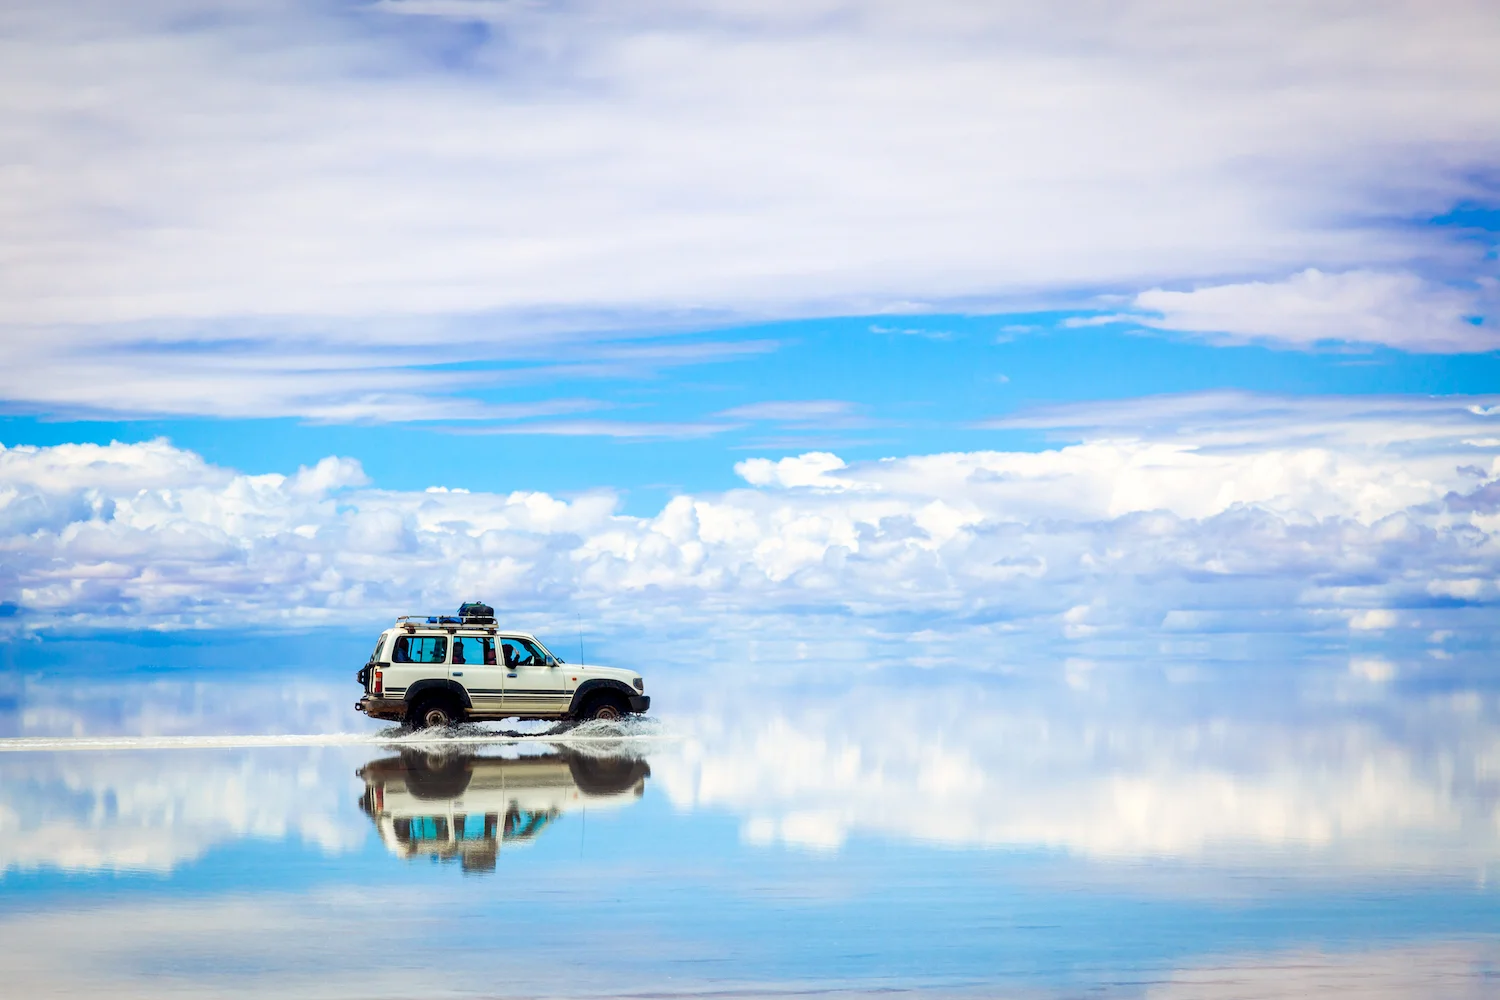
{"points": [[244, 208], [1395, 309], [1196, 511]]}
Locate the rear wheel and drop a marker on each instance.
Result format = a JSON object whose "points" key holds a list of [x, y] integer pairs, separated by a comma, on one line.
{"points": [[434, 712], [603, 707]]}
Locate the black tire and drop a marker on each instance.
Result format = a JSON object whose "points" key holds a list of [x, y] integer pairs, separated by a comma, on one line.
{"points": [[606, 775], [604, 707], [436, 776], [434, 711]]}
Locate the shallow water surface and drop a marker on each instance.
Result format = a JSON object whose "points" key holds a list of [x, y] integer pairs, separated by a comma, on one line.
{"points": [[1093, 831]]}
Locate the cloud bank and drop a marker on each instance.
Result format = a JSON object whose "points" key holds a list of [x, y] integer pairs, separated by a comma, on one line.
{"points": [[248, 207], [1200, 511]]}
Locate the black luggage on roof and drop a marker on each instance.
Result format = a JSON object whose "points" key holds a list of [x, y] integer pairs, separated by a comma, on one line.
{"points": [[475, 613]]}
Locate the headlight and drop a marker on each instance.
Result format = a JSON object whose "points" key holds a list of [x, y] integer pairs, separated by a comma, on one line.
{"points": [[640, 685]]}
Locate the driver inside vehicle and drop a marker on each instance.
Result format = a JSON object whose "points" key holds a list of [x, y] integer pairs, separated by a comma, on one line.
{"points": [[520, 653]]}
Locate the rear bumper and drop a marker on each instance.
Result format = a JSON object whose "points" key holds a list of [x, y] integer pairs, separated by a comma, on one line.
{"points": [[640, 702], [381, 708]]}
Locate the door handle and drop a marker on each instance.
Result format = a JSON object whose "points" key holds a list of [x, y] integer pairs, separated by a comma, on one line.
{"points": [[458, 673], [510, 675]]}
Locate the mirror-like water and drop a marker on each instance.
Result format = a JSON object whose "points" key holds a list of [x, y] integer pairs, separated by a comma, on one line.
{"points": [[1079, 829]]}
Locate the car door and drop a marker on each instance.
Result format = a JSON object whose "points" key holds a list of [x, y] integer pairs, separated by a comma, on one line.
{"points": [[474, 664], [533, 680]]}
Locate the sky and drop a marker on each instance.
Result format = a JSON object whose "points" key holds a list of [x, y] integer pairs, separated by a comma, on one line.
{"points": [[1077, 320]]}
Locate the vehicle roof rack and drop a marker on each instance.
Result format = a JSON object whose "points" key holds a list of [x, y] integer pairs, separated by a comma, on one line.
{"points": [[449, 622], [470, 615]]}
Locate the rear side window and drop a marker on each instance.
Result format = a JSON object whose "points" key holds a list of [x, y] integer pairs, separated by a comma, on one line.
{"points": [[474, 649], [420, 649]]}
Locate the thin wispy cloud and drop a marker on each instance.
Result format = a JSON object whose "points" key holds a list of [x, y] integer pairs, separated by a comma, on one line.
{"points": [[920, 332], [792, 411], [802, 423], [642, 430], [329, 375]]}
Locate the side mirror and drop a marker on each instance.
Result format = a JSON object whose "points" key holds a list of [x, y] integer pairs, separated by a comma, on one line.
{"points": [[551, 662]]}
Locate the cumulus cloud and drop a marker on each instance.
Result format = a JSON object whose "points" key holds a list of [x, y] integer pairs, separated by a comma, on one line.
{"points": [[1157, 525], [811, 469], [1395, 309]]}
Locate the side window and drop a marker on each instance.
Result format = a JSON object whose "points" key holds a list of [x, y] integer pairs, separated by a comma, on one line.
{"points": [[420, 649], [474, 650], [522, 653], [378, 642]]}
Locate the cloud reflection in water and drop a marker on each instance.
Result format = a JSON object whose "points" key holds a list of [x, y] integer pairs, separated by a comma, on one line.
{"points": [[1319, 830]]}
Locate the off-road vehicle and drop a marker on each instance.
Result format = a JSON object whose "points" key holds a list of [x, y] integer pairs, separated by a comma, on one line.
{"points": [[432, 670]]}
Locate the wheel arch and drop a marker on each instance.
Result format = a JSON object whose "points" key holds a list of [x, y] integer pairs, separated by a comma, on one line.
{"points": [[596, 685], [430, 685]]}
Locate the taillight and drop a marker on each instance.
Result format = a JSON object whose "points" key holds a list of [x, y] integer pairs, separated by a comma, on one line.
{"points": [[379, 683]]}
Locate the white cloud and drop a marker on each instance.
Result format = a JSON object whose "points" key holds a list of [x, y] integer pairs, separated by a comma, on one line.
{"points": [[797, 410], [921, 332], [269, 373], [1163, 524], [1396, 309], [1373, 621], [627, 429], [584, 158], [247, 188], [811, 469]]}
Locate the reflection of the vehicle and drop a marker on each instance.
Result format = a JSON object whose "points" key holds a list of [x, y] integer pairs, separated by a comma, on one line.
{"points": [[462, 806]]}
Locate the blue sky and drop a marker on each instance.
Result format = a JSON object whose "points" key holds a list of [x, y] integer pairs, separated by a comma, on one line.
{"points": [[843, 385]]}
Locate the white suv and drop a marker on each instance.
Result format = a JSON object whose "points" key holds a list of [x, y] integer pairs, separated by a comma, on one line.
{"points": [[438, 671]]}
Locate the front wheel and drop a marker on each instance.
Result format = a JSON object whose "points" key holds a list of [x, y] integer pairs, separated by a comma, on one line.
{"points": [[603, 708], [433, 713]]}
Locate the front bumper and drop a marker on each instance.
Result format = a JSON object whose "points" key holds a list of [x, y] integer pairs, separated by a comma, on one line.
{"points": [[640, 702], [381, 708]]}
